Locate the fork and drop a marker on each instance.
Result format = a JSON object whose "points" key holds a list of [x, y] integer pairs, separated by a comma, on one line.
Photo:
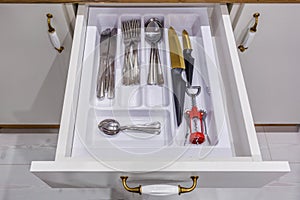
{"points": [[131, 31], [127, 65], [136, 38]]}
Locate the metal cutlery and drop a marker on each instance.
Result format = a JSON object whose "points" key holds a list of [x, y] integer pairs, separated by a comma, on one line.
{"points": [[113, 127], [102, 77], [106, 72], [131, 31], [153, 35], [111, 62]]}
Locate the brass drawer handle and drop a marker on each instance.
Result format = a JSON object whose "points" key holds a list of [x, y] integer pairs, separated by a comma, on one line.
{"points": [[249, 36], [159, 189], [52, 34]]}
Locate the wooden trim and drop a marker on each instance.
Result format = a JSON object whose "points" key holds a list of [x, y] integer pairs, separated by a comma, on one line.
{"points": [[29, 126], [149, 1]]}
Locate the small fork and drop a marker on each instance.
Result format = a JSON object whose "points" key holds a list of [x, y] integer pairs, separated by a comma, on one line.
{"points": [[136, 38], [127, 65], [131, 31]]}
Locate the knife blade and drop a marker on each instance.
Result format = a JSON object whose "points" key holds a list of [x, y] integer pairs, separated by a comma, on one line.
{"points": [[111, 64], [101, 78], [178, 66], [188, 59]]}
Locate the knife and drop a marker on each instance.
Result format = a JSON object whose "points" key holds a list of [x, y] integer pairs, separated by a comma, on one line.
{"points": [[188, 59], [111, 64], [101, 79], [178, 66]]}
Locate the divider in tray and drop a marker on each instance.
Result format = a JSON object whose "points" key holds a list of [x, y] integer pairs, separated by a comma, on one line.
{"points": [[200, 34], [132, 96], [129, 139]]}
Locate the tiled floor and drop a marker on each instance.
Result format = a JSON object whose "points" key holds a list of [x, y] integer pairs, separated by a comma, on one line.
{"points": [[18, 150]]}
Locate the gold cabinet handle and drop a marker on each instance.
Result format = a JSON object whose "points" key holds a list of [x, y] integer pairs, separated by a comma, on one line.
{"points": [[185, 190], [52, 34], [254, 27], [249, 36], [159, 189], [129, 189]]}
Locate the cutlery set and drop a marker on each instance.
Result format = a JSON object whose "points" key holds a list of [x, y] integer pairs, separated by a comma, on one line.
{"points": [[106, 72], [131, 32], [182, 63]]}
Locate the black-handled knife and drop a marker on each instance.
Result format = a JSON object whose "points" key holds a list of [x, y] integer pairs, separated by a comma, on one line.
{"points": [[178, 66], [188, 59]]}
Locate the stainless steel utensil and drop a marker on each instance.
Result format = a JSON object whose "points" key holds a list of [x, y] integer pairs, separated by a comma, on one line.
{"points": [[111, 64], [131, 31], [113, 127], [127, 65], [102, 76], [153, 35], [136, 38]]}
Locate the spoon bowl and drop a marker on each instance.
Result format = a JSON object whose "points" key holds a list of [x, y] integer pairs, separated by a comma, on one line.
{"points": [[153, 31]]}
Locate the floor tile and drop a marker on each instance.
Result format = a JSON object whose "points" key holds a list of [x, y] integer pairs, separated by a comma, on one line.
{"points": [[283, 138], [290, 179], [284, 146], [24, 148]]}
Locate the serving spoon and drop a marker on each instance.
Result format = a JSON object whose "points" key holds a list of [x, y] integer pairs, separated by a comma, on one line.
{"points": [[113, 127], [153, 35]]}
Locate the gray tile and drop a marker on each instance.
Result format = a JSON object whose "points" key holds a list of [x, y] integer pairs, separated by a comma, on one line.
{"points": [[279, 193], [289, 179], [265, 193], [57, 194], [284, 146], [24, 148], [283, 138], [285, 152]]}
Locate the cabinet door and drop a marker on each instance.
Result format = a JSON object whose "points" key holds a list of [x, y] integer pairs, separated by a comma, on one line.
{"points": [[271, 64], [32, 72]]}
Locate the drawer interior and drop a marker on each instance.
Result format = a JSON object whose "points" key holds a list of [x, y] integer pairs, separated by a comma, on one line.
{"points": [[147, 103]]}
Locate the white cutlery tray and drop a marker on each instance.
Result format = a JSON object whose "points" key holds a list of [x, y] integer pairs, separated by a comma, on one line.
{"points": [[144, 103]]}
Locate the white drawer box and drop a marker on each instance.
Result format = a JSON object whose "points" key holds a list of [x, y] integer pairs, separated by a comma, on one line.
{"points": [[87, 158]]}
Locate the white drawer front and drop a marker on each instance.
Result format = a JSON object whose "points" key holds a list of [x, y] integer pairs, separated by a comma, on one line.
{"points": [[87, 158]]}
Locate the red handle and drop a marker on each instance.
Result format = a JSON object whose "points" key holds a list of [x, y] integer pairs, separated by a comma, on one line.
{"points": [[196, 137]]}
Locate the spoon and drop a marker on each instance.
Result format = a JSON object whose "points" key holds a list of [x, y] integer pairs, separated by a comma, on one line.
{"points": [[153, 35], [113, 127]]}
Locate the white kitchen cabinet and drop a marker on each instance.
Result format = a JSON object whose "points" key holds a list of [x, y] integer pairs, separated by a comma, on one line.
{"points": [[271, 63], [32, 73], [86, 157]]}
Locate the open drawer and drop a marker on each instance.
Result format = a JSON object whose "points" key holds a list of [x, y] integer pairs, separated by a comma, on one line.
{"points": [[85, 157]]}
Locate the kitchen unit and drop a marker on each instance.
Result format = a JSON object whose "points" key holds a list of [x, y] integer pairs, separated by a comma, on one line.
{"points": [[270, 65], [85, 157], [33, 73]]}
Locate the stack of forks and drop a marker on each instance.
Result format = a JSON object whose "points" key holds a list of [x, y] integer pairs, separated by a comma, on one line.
{"points": [[131, 31]]}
